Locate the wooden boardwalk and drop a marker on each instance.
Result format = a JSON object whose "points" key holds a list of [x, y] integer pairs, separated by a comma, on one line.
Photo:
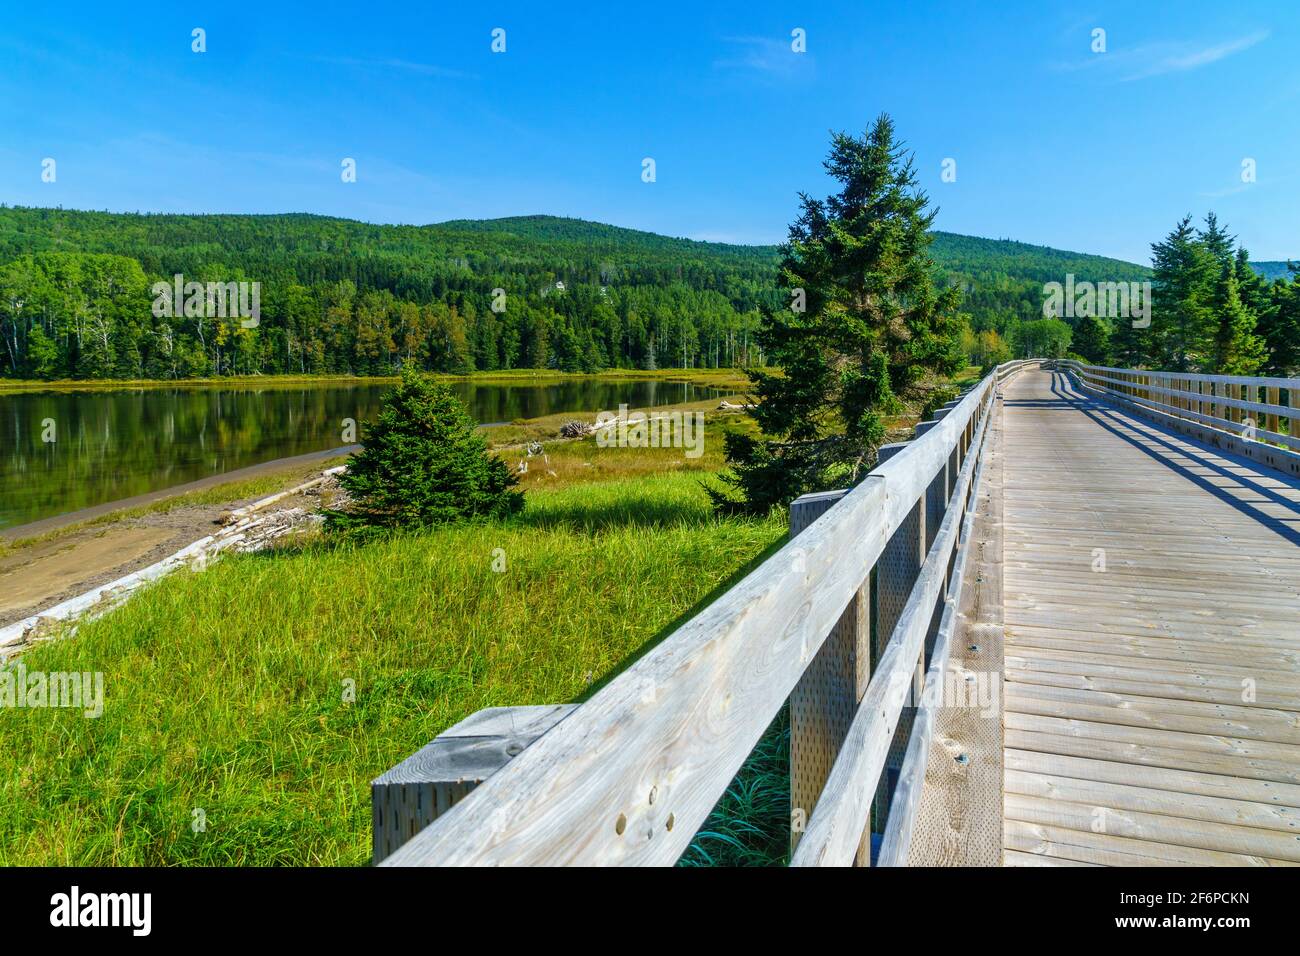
{"points": [[1152, 642]]}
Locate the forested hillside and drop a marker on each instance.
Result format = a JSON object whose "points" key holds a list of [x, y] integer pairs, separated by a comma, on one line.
{"points": [[339, 296]]}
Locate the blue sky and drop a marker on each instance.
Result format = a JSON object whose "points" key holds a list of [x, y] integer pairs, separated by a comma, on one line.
{"points": [[1054, 144]]}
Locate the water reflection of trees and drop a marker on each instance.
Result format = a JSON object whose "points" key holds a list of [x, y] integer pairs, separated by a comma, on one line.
{"points": [[115, 444]]}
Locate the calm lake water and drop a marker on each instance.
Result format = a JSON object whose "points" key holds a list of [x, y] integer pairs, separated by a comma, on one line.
{"points": [[112, 445]]}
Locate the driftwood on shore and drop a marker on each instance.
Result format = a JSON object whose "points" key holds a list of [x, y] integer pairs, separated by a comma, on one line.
{"points": [[576, 429], [244, 530], [230, 517]]}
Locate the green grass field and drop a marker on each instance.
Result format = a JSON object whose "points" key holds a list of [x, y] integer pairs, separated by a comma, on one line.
{"points": [[225, 690]]}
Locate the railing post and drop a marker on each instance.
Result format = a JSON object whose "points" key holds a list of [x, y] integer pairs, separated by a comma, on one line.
{"points": [[1293, 414], [936, 493], [408, 797], [958, 452], [824, 701], [938, 496], [896, 573]]}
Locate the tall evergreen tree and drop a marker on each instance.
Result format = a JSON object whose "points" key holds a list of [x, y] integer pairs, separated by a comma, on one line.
{"points": [[1253, 288], [1216, 240], [1237, 349], [1183, 275], [1279, 326], [863, 330]]}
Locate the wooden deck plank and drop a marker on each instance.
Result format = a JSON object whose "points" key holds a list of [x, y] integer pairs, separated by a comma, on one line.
{"points": [[1155, 828], [1118, 796], [1221, 744], [1105, 849], [1151, 709], [1143, 688], [1017, 858], [1148, 661], [1272, 693], [1158, 778], [1157, 712], [1083, 621], [1254, 768], [1155, 648]]}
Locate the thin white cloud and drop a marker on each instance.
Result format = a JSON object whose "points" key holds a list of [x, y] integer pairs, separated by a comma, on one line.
{"points": [[389, 63], [1157, 59], [1267, 182], [1181, 62], [762, 55]]}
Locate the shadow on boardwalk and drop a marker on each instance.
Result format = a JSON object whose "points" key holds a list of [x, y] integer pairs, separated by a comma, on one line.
{"points": [[1183, 455]]}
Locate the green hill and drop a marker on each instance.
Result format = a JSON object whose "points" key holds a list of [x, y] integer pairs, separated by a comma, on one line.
{"points": [[1272, 270], [345, 296], [600, 237]]}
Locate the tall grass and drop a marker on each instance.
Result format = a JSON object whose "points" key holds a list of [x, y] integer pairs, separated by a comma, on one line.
{"points": [[227, 691], [750, 825]]}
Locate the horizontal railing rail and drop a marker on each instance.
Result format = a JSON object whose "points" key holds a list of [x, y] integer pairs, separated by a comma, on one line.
{"points": [[1250, 408], [842, 813], [1159, 376], [630, 776]]}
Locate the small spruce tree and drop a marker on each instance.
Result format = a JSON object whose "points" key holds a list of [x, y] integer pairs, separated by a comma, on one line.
{"points": [[423, 462]]}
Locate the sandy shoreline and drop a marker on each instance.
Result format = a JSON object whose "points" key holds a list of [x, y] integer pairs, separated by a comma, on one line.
{"points": [[42, 573]]}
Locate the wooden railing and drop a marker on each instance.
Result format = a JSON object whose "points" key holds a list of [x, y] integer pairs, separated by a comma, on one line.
{"points": [[631, 775], [1259, 413]]}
